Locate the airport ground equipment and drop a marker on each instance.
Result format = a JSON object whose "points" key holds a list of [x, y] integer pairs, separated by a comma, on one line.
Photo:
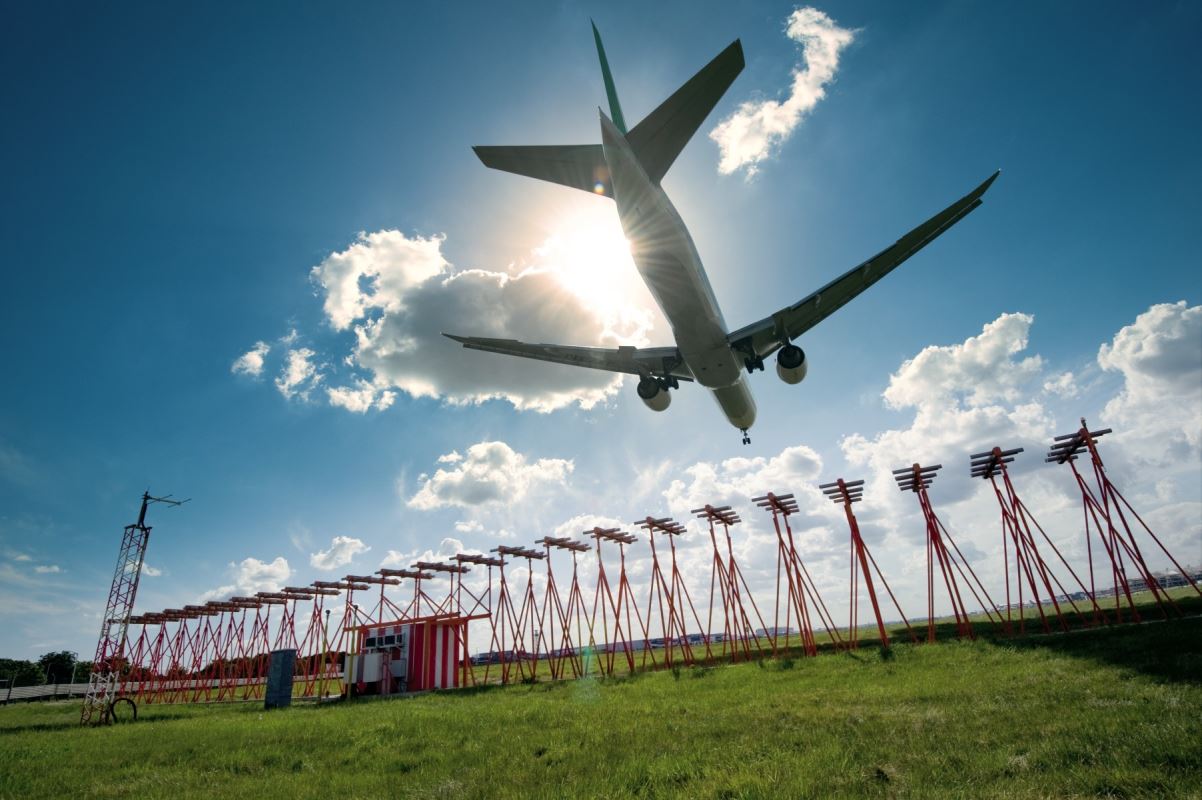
{"points": [[669, 596], [562, 624], [408, 635], [1106, 514], [619, 608], [916, 479], [110, 660], [738, 629], [1033, 577], [801, 592], [845, 493]]}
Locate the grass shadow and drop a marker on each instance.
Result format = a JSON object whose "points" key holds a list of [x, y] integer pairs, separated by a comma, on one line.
{"points": [[1165, 650]]}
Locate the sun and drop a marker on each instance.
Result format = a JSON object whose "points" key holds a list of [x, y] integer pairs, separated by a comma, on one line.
{"points": [[591, 258]]}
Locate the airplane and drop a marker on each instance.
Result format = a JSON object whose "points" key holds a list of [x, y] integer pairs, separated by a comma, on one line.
{"points": [[627, 167]]}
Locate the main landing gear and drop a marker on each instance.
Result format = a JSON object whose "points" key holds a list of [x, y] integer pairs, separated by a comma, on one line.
{"points": [[746, 437]]}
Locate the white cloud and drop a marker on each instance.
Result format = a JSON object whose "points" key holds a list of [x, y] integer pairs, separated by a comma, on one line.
{"points": [[343, 550], [252, 575], [22, 557], [752, 134], [1062, 385], [47, 569], [491, 472], [251, 362], [299, 375], [740, 479], [967, 397], [398, 294], [980, 369], [361, 397], [447, 549], [151, 572], [468, 525], [1160, 358]]}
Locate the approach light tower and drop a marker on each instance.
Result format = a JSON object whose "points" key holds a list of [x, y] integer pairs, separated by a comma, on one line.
{"points": [[106, 666]]}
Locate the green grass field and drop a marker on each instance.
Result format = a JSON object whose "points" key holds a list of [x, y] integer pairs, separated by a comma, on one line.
{"points": [[1097, 713]]}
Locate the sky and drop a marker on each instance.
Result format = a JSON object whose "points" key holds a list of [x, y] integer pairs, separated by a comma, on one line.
{"points": [[234, 232]]}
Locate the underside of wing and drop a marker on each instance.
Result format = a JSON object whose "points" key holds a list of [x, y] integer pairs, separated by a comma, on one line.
{"points": [[764, 337], [662, 362]]}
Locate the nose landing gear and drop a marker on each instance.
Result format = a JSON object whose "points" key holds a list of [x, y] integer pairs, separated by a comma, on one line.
{"points": [[746, 437]]}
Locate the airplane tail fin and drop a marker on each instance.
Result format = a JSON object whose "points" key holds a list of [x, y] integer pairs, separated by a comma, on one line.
{"points": [[615, 108], [659, 138], [656, 141]]}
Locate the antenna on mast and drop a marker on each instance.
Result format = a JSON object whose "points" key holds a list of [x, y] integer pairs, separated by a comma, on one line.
{"points": [[106, 666]]}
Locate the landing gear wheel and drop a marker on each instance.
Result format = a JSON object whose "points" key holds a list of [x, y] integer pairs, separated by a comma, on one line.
{"points": [[120, 710], [746, 437]]}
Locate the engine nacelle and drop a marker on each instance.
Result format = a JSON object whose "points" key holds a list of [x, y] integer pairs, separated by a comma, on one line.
{"points": [[654, 394], [791, 364]]}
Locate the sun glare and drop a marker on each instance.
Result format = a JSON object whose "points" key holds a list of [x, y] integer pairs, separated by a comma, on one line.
{"points": [[591, 258]]}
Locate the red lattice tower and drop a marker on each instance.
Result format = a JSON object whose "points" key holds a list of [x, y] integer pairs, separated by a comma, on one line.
{"points": [[620, 607], [797, 579], [114, 625], [1106, 513], [735, 595], [480, 605], [555, 612], [674, 593], [1033, 576], [845, 493], [917, 479]]}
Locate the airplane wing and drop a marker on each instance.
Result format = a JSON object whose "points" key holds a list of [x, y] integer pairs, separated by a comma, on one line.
{"points": [[763, 338], [664, 362]]}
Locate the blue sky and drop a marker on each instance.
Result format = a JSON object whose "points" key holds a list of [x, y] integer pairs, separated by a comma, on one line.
{"points": [[174, 174]]}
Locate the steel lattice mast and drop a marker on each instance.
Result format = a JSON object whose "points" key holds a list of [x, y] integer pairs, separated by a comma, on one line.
{"points": [[108, 662]]}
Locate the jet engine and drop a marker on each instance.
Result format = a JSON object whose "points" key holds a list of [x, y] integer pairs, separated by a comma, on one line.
{"points": [[654, 394], [791, 364]]}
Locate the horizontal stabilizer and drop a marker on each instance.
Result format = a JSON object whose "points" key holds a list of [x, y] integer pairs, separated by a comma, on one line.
{"points": [[580, 166], [659, 138]]}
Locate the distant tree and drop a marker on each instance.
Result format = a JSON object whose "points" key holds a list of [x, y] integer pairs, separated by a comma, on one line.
{"points": [[21, 673], [57, 667]]}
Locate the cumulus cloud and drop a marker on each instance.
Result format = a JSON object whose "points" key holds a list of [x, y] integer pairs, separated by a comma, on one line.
{"points": [[754, 132], [299, 375], [251, 362], [1062, 385], [251, 575], [397, 294], [739, 479], [342, 551], [490, 472], [967, 397], [361, 397], [151, 572], [1160, 360], [980, 369], [447, 549]]}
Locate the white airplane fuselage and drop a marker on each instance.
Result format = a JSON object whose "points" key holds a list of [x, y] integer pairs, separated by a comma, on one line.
{"points": [[668, 262]]}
